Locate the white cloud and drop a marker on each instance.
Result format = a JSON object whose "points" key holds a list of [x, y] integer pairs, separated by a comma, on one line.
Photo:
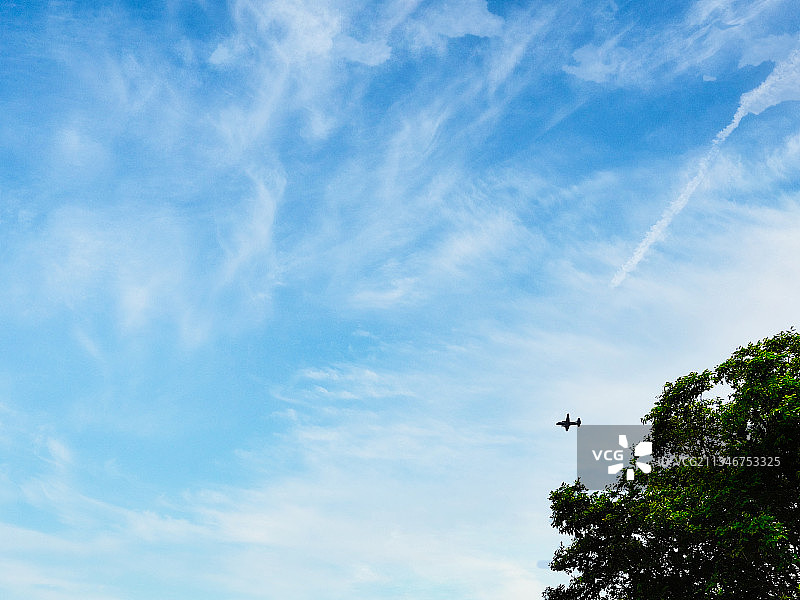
{"points": [[29, 581], [602, 63], [781, 85], [140, 265], [371, 53], [81, 255], [289, 55], [773, 48], [709, 35], [432, 24], [353, 519], [469, 248], [514, 44], [59, 453], [76, 151], [247, 243], [385, 295], [361, 383], [748, 263], [294, 31], [227, 52], [488, 239]]}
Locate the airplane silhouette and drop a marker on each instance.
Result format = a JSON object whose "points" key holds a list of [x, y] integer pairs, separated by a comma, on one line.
{"points": [[566, 423]]}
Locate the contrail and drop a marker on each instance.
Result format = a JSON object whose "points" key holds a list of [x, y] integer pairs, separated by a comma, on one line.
{"points": [[780, 85]]}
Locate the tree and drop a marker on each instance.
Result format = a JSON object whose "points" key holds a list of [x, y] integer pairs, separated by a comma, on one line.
{"points": [[721, 526]]}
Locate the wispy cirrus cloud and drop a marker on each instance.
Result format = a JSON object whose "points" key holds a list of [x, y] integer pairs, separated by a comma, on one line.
{"points": [[236, 127], [294, 292], [709, 35], [351, 521]]}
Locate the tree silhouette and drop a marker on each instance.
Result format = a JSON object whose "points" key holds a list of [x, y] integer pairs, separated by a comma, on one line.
{"points": [[718, 515]]}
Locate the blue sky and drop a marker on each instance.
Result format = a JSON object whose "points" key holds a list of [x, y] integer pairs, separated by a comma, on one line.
{"points": [[293, 292]]}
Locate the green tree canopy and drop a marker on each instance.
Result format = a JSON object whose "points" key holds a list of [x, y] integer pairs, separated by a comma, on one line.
{"points": [[710, 531]]}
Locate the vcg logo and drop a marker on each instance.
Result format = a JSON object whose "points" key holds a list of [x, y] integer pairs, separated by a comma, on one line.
{"points": [[605, 450], [641, 449]]}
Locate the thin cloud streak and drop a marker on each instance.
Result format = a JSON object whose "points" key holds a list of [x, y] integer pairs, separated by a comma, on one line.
{"points": [[782, 84]]}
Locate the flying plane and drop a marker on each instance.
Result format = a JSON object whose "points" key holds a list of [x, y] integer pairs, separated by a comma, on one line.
{"points": [[566, 423]]}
